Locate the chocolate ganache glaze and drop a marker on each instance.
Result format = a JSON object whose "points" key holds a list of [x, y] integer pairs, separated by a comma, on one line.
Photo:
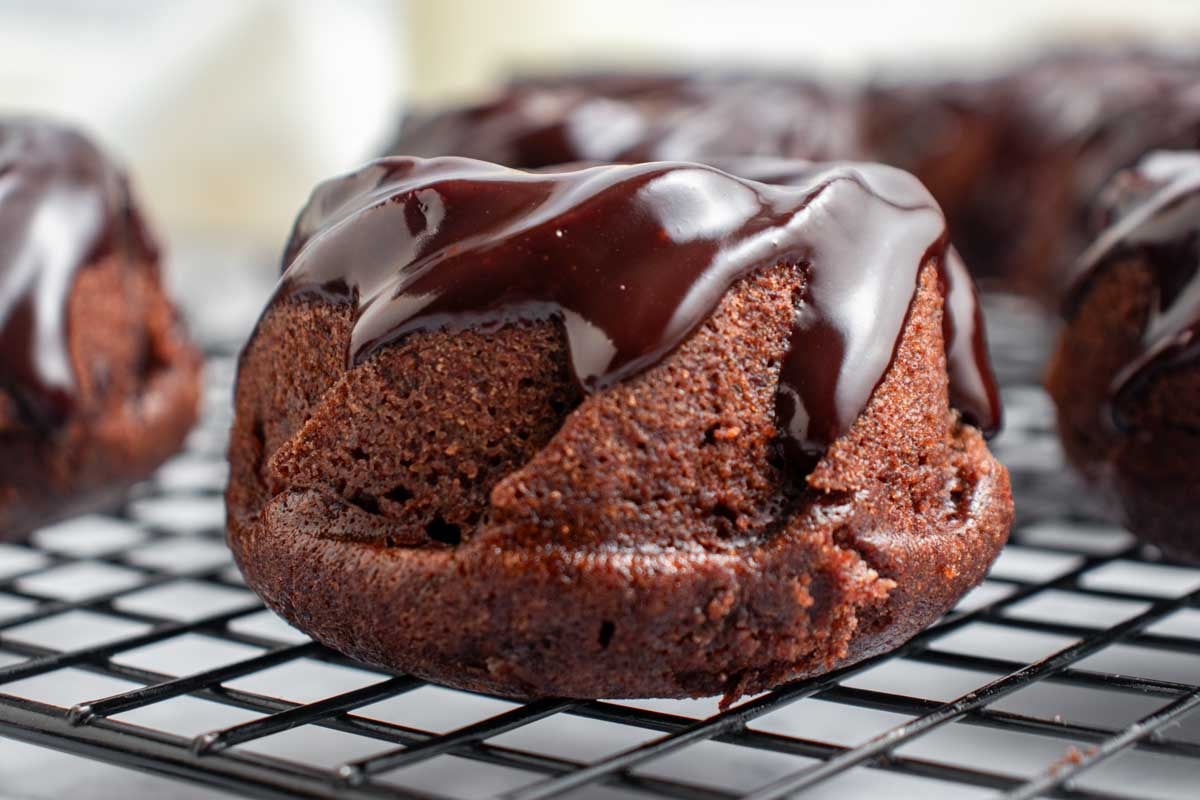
{"points": [[62, 206], [1154, 211], [973, 387], [632, 258]]}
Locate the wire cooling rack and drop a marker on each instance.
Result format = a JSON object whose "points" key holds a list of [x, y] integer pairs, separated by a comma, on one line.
{"points": [[1073, 671]]}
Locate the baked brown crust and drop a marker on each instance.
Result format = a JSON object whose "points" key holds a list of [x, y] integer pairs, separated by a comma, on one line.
{"points": [[136, 397], [454, 508]]}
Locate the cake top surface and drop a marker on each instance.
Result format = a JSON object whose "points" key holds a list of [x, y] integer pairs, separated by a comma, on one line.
{"points": [[62, 205], [1153, 211], [632, 258]]}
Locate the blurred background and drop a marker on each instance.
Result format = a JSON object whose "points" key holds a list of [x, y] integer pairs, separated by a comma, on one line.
{"points": [[228, 111]]}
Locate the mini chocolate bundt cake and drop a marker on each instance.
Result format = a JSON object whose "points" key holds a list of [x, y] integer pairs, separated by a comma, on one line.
{"points": [[1066, 124], [1126, 374], [643, 430], [98, 384], [551, 120]]}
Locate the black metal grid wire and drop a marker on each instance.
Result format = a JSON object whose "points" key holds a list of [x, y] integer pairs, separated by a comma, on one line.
{"points": [[1076, 624]]}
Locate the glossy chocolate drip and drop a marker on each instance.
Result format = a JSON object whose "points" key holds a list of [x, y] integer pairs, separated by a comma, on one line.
{"points": [[62, 206], [1155, 210], [631, 259], [973, 389]]}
